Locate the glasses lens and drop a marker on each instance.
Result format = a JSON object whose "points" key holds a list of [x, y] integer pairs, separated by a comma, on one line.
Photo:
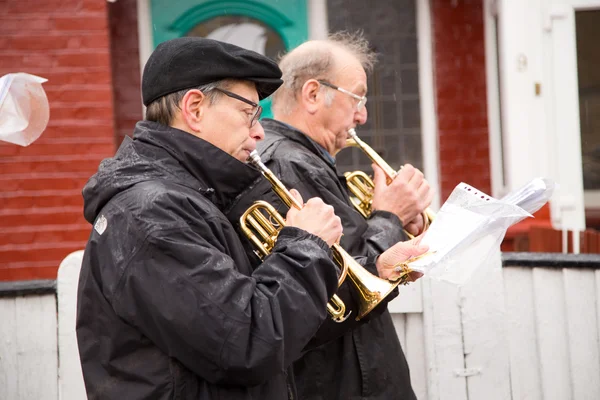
{"points": [[362, 103], [256, 116]]}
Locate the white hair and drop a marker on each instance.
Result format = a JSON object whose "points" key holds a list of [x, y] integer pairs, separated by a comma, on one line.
{"points": [[316, 60]]}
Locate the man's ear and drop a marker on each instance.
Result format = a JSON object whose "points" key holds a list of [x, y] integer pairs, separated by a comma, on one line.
{"points": [[193, 105], [311, 96]]}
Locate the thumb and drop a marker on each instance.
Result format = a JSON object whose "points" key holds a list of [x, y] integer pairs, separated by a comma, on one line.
{"points": [[411, 248], [416, 243], [297, 196]]}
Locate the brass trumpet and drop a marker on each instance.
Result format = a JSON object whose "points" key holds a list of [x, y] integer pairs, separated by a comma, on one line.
{"points": [[361, 185], [261, 224], [372, 289]]}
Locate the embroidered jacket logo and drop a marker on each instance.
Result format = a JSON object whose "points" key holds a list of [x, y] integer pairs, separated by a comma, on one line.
{"points": [[101, 224]]}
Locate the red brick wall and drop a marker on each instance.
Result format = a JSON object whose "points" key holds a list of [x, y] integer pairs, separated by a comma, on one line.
{"points": [[125, 66], [67, 42], [460, 80]]}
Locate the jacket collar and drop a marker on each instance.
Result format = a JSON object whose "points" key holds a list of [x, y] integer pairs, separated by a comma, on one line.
{"points": [[221, 175], [274, 127]]}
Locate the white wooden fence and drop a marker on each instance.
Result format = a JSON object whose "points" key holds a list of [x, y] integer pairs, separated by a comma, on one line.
{"points": [[529, 330]]}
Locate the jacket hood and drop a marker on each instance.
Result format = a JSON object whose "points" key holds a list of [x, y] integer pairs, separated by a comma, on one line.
{"points": [[159, 152]]}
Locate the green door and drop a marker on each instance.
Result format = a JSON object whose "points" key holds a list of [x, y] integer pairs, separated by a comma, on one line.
{"points": [[269, 27]]}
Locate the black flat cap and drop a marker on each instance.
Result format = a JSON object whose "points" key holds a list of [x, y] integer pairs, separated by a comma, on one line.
{"points": [[188, 62]]}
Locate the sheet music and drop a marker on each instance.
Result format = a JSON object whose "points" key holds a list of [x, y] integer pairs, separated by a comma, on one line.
{"points": [[455, 222], [467, 216], [532, 196]]}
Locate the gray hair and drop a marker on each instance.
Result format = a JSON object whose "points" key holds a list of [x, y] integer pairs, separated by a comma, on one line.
{"points": [[163, 109], [316, 59]]}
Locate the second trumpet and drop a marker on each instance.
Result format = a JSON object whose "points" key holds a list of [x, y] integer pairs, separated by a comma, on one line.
{"points": [[361, 185]]}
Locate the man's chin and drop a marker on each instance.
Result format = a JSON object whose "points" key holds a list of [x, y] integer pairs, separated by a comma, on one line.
{"points": [[340, 146]]}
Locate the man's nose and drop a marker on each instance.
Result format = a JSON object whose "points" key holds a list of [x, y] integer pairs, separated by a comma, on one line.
{"points": [[360, 116], [257, 132]]}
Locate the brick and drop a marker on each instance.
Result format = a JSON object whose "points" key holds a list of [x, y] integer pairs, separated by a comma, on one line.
{"points": [[95, 22], [57, 164], [88, 76], [11, 24], [82, 59], [7, 149], [449, 91], [41, 199], [60, 149], [46, 6], [81, 112], [74, 183], [55, 252], [44, 234], [26, 61], [44, 43], [79, 129], [450, 122], [94, 5], [42, 216], [96, 41], [74, 95]]}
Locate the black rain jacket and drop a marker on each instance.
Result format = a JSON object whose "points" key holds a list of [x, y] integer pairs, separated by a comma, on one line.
{"points": [[168, 304], [366, 362]]}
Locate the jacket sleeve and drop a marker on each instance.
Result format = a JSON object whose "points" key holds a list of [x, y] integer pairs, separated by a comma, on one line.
{"points": [[384, 230], [183, 292]]}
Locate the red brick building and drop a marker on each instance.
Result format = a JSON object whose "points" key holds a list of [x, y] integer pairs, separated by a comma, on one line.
{"points": [[91, 52]]}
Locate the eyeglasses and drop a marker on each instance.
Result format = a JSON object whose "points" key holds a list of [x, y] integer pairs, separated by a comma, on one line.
{"points": [[362, 100], [258, 111]]}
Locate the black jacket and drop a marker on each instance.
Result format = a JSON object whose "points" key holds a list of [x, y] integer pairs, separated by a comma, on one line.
{"points": [[168, 304], [367, 362]]}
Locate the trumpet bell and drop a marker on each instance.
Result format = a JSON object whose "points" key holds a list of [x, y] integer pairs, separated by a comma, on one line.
{"points": [[372, 289]]}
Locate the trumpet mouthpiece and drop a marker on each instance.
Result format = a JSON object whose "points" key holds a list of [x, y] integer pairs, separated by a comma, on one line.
{"points": [[254, 158], [352, 132]]}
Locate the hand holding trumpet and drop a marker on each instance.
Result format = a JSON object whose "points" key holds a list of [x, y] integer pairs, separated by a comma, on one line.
{"points": [[407, 196], [315, 217], [389, 261]]}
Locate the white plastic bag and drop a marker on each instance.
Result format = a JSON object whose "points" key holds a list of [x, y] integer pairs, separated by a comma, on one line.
{"points": [[24, 109]]}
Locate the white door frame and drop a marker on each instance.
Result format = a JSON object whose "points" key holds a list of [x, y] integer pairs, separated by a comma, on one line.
{"points": [[429, 132], [540, 112], [563, 117]]}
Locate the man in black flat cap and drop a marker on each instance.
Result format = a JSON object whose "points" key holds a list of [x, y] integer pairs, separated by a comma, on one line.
{"points": [[168, 304]]}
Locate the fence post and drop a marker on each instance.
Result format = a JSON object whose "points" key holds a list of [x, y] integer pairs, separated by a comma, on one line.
{"points": [[70, 378], [465, 337]]}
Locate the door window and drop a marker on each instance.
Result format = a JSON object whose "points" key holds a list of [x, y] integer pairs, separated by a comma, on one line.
{"points": [[587, 23], [245, 32]]}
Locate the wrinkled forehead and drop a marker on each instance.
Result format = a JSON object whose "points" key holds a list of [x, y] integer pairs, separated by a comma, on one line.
{"points": [[349, 73]]}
